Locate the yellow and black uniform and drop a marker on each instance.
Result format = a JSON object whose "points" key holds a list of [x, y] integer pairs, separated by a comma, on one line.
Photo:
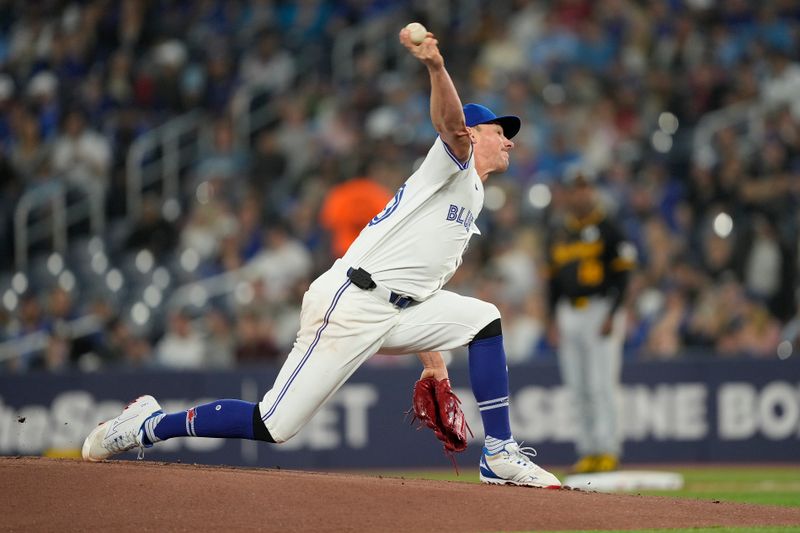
{"points": [[588, 257], [589, 262]]}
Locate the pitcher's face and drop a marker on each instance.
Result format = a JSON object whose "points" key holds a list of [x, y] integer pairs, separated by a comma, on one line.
{"points": [[491, 148]]}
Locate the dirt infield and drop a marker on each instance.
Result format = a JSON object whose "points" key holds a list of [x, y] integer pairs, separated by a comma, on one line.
{"points": [[67, 495]]}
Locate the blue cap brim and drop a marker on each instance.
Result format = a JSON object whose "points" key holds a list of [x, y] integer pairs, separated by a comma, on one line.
{"points": [[510, 124]]}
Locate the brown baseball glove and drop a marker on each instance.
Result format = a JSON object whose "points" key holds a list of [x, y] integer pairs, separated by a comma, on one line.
{"points": [[437, 406]]}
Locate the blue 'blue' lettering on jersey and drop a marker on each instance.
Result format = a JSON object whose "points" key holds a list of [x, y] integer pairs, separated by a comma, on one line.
{"points": [[451, 214], [456, 213]]}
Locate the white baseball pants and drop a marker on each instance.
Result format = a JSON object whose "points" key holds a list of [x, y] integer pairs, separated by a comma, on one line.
{"points": [[341, 326], [590, 367]]}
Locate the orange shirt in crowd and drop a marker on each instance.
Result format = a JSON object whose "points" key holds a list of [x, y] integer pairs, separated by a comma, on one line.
{"points": [[349, 207]]}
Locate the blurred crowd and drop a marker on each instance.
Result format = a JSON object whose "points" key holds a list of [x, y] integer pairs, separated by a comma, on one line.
{"points": [[622, 86]]}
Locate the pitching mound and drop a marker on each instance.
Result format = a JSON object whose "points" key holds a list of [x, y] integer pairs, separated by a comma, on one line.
{"points": [[67, 495]]}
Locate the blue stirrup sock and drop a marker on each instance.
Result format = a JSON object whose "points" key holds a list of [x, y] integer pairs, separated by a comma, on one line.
{"points": [[220, 418], [489, 377]]}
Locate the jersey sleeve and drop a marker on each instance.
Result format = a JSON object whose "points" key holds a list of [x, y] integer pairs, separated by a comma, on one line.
{"points": [[441, 164], [620, 257], [551, 273]]}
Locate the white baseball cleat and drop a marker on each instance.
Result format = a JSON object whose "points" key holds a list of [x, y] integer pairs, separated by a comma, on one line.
{"points": [[122, 433], [513, 466]]}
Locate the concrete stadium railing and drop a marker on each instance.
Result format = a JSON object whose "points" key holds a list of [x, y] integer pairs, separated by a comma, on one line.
{"points": [[37, 341], [750, 115], [167, 155], [55, 196]]}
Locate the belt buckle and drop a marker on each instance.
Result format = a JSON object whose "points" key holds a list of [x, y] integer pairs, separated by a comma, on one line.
{"points": [[399, 301]]}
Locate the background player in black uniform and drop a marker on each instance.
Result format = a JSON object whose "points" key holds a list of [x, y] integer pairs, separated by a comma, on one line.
{"points": [[589, 262]]}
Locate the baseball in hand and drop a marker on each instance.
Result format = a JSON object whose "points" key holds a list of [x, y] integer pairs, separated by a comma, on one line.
{"points": [[417, 32]]}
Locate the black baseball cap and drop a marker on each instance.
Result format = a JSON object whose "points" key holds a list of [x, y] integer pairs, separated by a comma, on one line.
{"points": [[476, 114], [578, 174]]}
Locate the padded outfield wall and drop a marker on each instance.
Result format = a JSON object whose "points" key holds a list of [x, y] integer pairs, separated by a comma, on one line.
{"points": [[708, 411]]}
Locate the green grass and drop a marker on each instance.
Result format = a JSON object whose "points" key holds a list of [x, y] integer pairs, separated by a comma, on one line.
{"points": [[769, 529], [768, 485], [760, 485]]}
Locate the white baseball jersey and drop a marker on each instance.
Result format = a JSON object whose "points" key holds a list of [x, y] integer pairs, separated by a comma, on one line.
{"points": [[412, 247], [416, 243]]}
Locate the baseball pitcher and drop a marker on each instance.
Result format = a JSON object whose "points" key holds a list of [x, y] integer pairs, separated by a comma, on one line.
{"points": [[385, 294]]}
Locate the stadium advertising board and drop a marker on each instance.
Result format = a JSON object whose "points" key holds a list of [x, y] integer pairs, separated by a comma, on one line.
{"points": [[732, 411]]}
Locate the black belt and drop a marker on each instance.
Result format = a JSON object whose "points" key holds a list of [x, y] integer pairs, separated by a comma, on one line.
{"points": [[363, 280]]}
